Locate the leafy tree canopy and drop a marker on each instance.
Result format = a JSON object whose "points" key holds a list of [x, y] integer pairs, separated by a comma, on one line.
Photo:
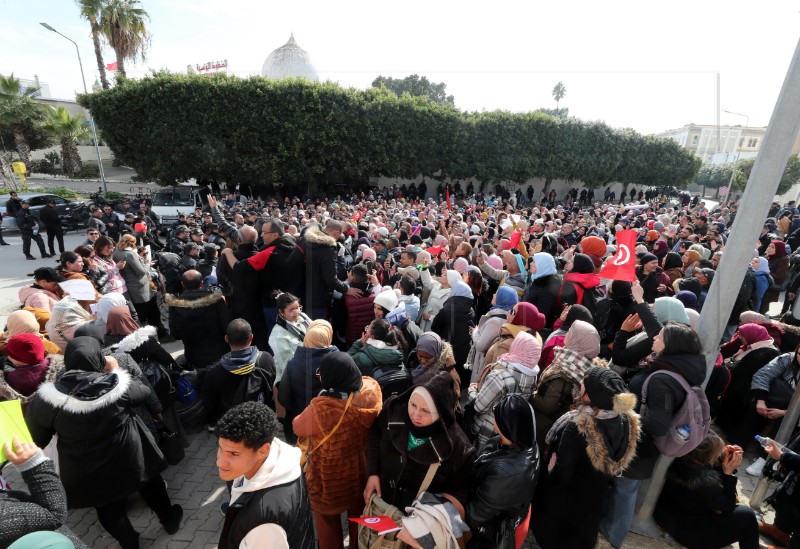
{"points": [[416, 85], [791, 174]]}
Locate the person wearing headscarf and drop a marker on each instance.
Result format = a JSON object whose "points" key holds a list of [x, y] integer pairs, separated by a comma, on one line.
{"points": [[673, 266], [27, 367], [756, 348], [652, 278], [556, 338], [67, 316], [586, 449], [453, 324], [24, 322], [504, 474], [779, 271], [414, 431], [432, 356], [300, 382], [559, 384], [104, 454], [336, 473], [579, 279], [437, 289], [489, 326], [514, 372], [545, 285], [760, 266], [688, 299], [119, 324], [595, 248], [108, 302], [524, 317]]}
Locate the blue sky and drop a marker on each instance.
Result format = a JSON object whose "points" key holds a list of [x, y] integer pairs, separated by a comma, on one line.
{"points": [[649, 66]]}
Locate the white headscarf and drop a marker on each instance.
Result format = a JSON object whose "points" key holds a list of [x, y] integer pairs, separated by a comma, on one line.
{"points": [[108, 302]]}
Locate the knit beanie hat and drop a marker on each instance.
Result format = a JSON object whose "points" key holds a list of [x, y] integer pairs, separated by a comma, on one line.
{"points": [[26, 348], [318, 335], [602, 386], [528, 315], [669, 309], [583, 338], [647, 258], [692, 256], [515, 420], [688, 299], [651, 236], [387, 299], [593, 245], [582, 263], [691, 284]]}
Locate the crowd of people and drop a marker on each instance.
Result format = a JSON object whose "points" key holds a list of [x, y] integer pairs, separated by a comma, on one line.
{"points": [[457, 363]]}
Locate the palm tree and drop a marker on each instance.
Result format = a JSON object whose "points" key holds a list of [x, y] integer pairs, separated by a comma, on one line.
{"points": [[17, 110], [90, 10], [559, 91], [122, 23], [68, 130]]}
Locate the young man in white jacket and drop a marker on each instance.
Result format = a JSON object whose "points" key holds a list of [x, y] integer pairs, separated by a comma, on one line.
{"points": [[269, 502]]}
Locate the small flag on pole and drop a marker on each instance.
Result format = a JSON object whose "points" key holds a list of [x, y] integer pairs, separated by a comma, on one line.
{"points": [[623, 265], [112, 66], [447, 197]]}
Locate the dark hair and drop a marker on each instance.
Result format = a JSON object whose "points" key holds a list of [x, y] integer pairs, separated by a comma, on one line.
{"points": [[407, 286], [439, 267], [84, 251], [284, 299], [101, 243], [680, 339], [251, 423], [68, 257], [359, 272], [577, 312], [275, 225], [708, 451], [410, 253], [382, 331], [238, 332], [192, 280], [475, 282]]}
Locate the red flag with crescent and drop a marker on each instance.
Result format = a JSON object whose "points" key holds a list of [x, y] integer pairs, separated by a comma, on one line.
{"points": [[623, 265], [447, 197], [382, 524]]}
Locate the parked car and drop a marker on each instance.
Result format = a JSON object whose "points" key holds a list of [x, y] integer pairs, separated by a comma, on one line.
{"points": [[170, 202], [66, 208]]}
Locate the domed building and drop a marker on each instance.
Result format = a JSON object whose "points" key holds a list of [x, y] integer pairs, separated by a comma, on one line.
{"points": [[289, 60]]}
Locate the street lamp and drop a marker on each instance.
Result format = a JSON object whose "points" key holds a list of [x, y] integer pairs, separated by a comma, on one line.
{"points": [[738, 148], [91, 118]]}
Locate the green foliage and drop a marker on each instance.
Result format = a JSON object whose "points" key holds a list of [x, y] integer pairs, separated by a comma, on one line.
{"points": [[88, 171], [47, 164], [113, 195], [63, 192], [559, 92], [34, 133], [415, 86], [791, 174], [714, 175], [122, 23], [171, 128]]}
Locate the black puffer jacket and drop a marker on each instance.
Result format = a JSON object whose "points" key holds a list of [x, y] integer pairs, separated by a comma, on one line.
{"points": [[200, 319], [543, 292], [664, 397], [280, 266], [321, 259], [504, 480], [452, 324], [101, 454]]}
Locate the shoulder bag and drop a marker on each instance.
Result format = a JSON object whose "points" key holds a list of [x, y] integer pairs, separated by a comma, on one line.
{"points": [[305, 442]]}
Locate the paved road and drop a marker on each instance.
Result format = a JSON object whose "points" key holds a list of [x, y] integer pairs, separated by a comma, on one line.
{"points": [[193, 483]]}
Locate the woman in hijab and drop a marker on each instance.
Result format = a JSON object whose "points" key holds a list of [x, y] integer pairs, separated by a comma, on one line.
{"points": [[673, 267], [489, 326], [336, 423], [438, 290], [27, 367], [504, 475], [24, 322], [119, 324], [586, 449], [560, 383], [524, 317], [300, 382], [579, 279], [431, 356], [104, 453], [763, 280], [66, 317], [453, 324], [545, 285], [756, 349], [106, 303], [514, 373], [556, 339], [779, 270]]}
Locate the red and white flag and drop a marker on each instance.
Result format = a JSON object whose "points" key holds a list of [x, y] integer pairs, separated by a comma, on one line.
{"points": [[623, 265], [112, 66], [447, 197], [381, 524]]}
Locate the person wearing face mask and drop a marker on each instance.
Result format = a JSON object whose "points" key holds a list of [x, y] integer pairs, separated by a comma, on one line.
{"points": [[105, 453]]}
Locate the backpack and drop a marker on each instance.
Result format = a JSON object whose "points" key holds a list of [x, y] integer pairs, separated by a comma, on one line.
{"points": [[602, 319], [694, 413], [254, 387], [593, 299]]}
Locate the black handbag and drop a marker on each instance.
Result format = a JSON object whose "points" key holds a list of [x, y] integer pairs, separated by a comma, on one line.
{"points": [[160, 380], [780, 394], [170, 444]]}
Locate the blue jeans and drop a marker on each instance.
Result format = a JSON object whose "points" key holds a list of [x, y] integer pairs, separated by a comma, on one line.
{"points": [[618, 508], [270, 317]]}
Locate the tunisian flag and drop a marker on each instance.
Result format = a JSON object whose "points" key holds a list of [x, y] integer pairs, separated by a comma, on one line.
{"points": [[382, 524], [623, 265], [447, 197]]}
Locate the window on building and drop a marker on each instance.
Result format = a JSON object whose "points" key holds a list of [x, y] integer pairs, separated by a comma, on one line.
{"points": [[695, 139]]}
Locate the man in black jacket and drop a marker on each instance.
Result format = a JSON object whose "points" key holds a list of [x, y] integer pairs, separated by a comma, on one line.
{"points": [[29, 230], [111, 220], [52, 224], [198, 317], [322, 250]]}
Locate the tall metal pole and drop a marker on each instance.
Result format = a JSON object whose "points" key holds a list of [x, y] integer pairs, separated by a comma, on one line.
{"points": [[773, 155], [91, 118]]}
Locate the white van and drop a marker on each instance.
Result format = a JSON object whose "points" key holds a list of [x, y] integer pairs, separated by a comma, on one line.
{"points": [[169, 202]]}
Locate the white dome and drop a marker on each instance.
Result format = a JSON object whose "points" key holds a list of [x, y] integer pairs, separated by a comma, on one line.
{"points": [[289, 60]]}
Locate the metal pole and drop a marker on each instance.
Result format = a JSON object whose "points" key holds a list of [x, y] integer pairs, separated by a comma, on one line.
{"points": [[91, 118], [783, 128]]}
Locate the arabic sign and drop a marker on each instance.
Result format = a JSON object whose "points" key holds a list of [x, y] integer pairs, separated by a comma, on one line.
{"points": [[212, 66]]}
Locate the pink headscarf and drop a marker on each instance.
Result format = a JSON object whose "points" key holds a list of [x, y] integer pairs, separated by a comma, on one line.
{"points": [[495, 262], [525, 350], [583, 338], [503, 245], [368, 253], [756, 336], [460, 265]]}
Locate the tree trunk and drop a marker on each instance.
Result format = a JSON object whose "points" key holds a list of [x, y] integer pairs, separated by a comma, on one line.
{"points": [[77, 163], [547, 184], [98, 53], [66, 161], [7, 178], [120, 63], [22, 147]]}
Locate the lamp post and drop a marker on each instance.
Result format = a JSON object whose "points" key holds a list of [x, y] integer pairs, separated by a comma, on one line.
{"points": [[91, 118], [738, 148]]}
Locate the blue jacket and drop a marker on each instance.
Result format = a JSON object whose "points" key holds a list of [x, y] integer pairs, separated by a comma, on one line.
{"points": [[300, 382], [763, 283]]}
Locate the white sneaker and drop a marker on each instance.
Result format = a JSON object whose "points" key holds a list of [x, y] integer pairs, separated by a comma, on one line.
{"points": [[756, 468]]}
